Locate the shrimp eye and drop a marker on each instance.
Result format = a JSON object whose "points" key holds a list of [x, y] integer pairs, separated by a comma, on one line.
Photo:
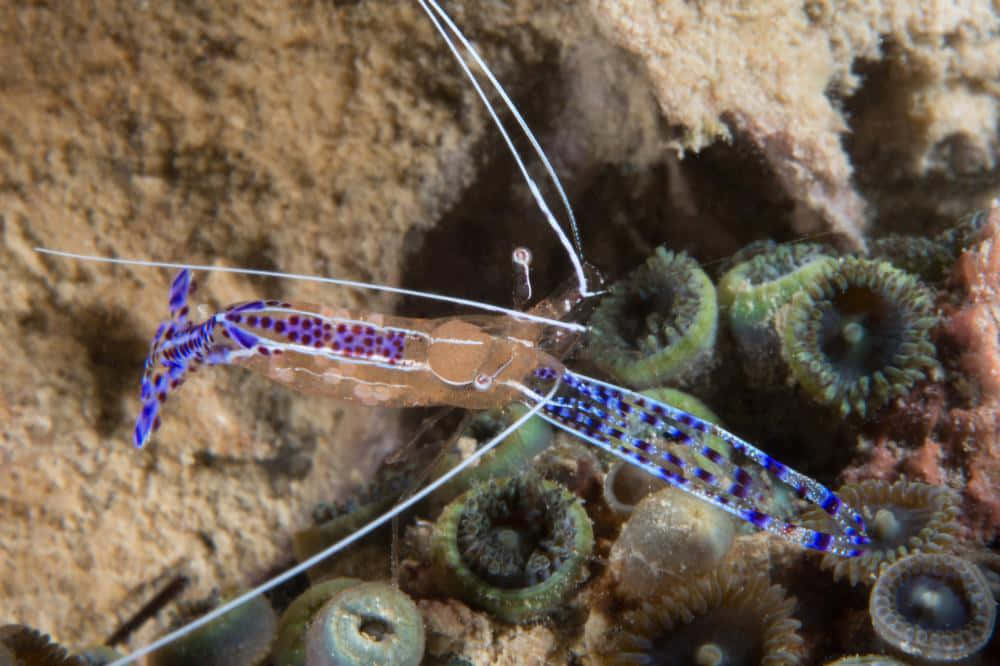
{"points": [[483, 382]]}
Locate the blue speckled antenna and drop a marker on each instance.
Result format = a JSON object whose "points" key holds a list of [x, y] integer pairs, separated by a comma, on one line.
{"points": [[637, 429]]}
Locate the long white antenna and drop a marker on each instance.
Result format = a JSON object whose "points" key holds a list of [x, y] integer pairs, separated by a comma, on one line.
{"points": [[340, 545], [431, 7], [323, 280]]}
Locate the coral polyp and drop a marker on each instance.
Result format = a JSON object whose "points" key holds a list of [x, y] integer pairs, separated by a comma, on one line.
{"points": [[936, 607], [242, 636], [367, 623], [752, 291], [289, 647], [903, 518], [658, 325], [925, 257], [965, 233], [626, 485], [930, 258], [725, 617], [669, 536], [515, 547], [24, 646], [859, 336]]}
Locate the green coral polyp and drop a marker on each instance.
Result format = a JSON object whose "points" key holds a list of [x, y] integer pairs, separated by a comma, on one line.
{"points": [[290, 647], [241, 636], [753, 291], [859, 335], [515, 547], [657, 326], [368, 623]]}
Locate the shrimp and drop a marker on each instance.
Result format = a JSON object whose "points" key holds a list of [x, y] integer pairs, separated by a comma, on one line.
{"points": [[473, 362]]}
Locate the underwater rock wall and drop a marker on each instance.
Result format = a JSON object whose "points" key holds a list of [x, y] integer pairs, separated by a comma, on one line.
{"points": [[851, 103]]}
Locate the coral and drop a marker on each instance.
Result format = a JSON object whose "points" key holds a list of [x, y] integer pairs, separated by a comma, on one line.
{"points": [[658, 325], [752, 292], [973, 327], [289, 646], [625, 485], [904, 517], [20, 645], [98, 655], [971, 433], [515, 547], [354, 514], [367, 623], [329, 137], [975, 435], [927, 258], [867, 660], [670, 536], [968, 231], [454, 631], [243, 635], [724, 617], [931, 259], [859, 336], [936, 607]]}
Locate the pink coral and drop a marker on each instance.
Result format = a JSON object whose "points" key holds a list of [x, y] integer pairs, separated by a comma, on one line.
{"points": [[925, 463], [975, 329]]}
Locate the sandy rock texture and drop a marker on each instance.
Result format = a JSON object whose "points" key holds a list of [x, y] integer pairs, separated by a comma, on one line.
{"points": [[339, 138]]}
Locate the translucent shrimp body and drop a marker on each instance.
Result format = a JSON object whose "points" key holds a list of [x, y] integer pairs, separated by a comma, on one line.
{"points": [[476, 362]]}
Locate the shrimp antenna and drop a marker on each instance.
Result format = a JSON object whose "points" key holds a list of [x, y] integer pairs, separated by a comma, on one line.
{"points": [[579, 328], [434, 11], [340, 545]]}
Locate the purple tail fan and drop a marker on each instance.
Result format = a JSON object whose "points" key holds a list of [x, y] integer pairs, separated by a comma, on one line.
{"points": [[176, 348]]}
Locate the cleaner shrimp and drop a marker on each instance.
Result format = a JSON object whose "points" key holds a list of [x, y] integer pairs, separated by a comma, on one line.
{"points": [[513, 369]]}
